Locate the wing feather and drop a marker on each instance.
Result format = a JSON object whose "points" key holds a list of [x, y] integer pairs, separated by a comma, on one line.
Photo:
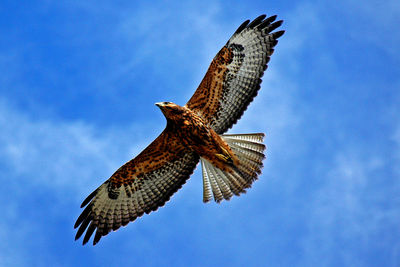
{"points": [[234, 76], [140, 186]]}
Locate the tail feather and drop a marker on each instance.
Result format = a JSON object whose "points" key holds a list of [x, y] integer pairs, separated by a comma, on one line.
{"points": [[214, 186], [250, 155], [219, 187], [223, 185], [245, 144], [255, 138], [233, 184], [206, 183]]}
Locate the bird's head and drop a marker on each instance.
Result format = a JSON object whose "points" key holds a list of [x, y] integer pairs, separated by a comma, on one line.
{"points": [[170, 110]]}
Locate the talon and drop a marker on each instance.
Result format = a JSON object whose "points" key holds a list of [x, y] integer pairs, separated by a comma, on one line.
{"points": [[222, 157], [226, 157], [226, 152]]}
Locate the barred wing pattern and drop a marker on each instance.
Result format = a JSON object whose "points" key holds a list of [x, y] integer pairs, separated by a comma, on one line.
{"points": [[140, 186], [234, 76]]}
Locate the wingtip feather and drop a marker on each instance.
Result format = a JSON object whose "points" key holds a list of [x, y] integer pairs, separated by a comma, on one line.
{"points": [[257, 21], [89, 232], [273, 26], [242, 27], [82, 228], [97, 237], [89, 198], [278, 34], [85, 214]]}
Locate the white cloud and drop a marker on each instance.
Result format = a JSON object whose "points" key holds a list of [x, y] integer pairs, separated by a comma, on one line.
{"points": [[72, 158], [63, 155], [377, 23], [69, 159], [395, 138], [161, 40], [343, 211]]}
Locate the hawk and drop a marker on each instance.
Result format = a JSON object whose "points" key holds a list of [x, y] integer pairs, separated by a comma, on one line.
{"points": [[194, 132]]}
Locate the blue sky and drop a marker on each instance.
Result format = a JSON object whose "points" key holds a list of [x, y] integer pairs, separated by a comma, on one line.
{"points": [[78, 84]]}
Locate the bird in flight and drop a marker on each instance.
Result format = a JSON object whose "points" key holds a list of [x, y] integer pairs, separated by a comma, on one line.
{"points": [[194, 132]]}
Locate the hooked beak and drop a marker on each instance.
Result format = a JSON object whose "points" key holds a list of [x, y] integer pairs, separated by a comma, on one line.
{"points": [[159, 104]]}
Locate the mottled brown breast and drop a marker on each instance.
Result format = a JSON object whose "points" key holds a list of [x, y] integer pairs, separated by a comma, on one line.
{"points": [[196, 134]]}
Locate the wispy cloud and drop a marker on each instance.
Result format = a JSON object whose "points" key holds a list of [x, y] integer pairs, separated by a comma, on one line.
{"points": [[63, 154], [343, 211], [374, 23], [328, 193], [342, 196], [395, 138], [48, 167]]}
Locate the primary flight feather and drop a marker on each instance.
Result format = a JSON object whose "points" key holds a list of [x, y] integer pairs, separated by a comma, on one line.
{"points": [[194, 132]]}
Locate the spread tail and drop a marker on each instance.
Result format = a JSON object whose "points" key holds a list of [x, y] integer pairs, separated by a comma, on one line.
{"points": [[223, 185]]}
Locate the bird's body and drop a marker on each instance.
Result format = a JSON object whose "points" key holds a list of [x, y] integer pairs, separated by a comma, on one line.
{"points": [[195, 131], [192, 133], [195, 134]]}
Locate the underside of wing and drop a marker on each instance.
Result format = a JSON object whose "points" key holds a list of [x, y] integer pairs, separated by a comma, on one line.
{"points": [[234, 76], [140, 186]]}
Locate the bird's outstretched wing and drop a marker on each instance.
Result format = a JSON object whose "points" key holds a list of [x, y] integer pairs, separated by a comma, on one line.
{"points": [[234, 76], [140, 186]]}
